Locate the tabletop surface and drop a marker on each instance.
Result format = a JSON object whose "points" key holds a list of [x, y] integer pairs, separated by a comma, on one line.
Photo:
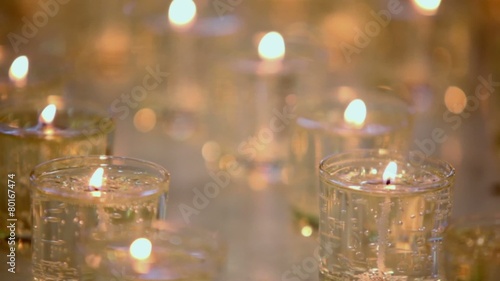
{"points": [[256, 223]]}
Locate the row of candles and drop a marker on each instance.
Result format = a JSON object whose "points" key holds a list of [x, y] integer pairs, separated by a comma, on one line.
{"points": [[379, 120]]}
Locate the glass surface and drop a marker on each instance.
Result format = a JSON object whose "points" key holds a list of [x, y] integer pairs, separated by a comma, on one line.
{"points": [[66, 209], [177, 253], [79, 128], [320, 130], [472, 249], [377, 229]]}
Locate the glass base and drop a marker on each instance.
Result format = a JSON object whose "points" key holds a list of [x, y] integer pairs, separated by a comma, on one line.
{"points": [[373, 275]]}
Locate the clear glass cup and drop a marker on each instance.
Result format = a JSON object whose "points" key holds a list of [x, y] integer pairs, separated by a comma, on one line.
{"points": [[472, 249], [69, 203], [79, 127], [162, 251], [376, 227], [320, 130]]}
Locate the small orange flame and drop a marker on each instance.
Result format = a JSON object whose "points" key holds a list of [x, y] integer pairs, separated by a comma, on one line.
{"points": [[181, 14], [95, 182], [389, 175], [48, 114], [18, 71], [355, 113], [272, 47]]}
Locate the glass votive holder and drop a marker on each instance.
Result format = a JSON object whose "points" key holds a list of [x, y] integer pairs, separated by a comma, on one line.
{"points": [[37, 128], [382, 215], [74, 197], [161, 252], [471, 249], [26, 73], [348, 118]]}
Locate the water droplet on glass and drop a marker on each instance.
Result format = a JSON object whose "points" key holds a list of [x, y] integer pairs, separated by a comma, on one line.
{"points": [[360, 256], [53, 219], [412, 216], [115, 216]]}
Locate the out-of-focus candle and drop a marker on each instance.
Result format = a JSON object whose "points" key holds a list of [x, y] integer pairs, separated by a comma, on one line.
{"points": [[161, 252], [347, 119], [18, 72], [182, 14], [426, 7], [272, 52], [33, 130]]}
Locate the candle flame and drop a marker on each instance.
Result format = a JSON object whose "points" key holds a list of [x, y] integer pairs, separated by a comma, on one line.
{"points": [[389, 175], [427, 7], [95, 182], [272, 47], [48, 114], [355, 113], [141, 249], [182, 13], [18, 71]]}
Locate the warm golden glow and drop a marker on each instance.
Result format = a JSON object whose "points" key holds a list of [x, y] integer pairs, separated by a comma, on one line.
{"points": [[95, 182], [306, 231], [18, 71], [355, 113], [455, 99], [211, 151], [48, 114], [427, 7], [141, 249], [389, 175], [181, 14], [272, 47], [145, 120]]}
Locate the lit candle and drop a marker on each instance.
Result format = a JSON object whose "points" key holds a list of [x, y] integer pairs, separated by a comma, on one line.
{"points": [[33, 130], [265, 86], [426, 7], [182, 14], [18, 72], [82, 202], [185, 97], [161, 252], [382, 215], [348, 119]]}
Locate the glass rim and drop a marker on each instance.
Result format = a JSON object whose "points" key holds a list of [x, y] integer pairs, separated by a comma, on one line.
{"points": [[104, 123], [447, 175], [84, 162], [373, 97]]}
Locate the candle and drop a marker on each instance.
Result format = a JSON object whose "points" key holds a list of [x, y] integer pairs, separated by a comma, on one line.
{"points": [[33, 130], [266, 90], [347, 119], [382, 216], [161, 252], [83, 199]]}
